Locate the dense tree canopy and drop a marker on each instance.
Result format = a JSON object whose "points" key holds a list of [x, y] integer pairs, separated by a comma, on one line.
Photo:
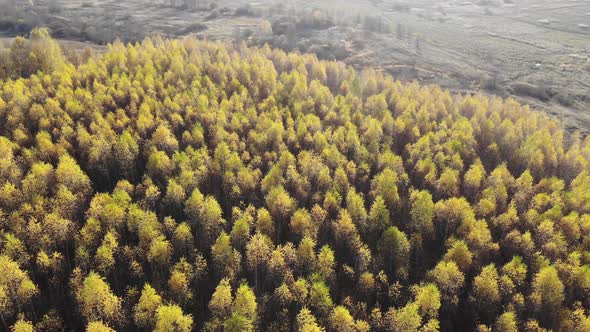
{"points": [[179, 185]]}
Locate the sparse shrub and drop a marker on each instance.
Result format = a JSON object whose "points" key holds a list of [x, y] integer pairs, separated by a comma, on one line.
{"points": [[247, 33], [280, 27], [531, 90], [376, 24], [488, 82], [213, 14], [326, 52], [245, 10], [265, 27], [192, 28], [488, 3], [358, 43], [401, 7], [316, 19], [564, 99], [4, 63], [54, 8]]}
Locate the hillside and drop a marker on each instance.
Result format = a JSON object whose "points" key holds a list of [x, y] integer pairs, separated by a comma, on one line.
{"points": [[177, 185]]}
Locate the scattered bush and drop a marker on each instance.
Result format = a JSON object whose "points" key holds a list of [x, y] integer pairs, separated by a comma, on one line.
{"points": [[213, 14], [488, 82], [54, 8], [245, 10], [564, 99], [377, 24], [192, 28], [531, 90], [282, 26]]}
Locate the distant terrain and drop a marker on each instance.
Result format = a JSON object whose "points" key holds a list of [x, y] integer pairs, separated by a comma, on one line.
{"points": [[536, 51], [179, 185]]}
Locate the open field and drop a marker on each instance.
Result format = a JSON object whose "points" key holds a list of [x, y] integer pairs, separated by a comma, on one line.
{"points": [[537, 51]]}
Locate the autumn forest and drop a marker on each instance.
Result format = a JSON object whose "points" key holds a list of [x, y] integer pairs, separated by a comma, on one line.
{"points": [[186, 185]]}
